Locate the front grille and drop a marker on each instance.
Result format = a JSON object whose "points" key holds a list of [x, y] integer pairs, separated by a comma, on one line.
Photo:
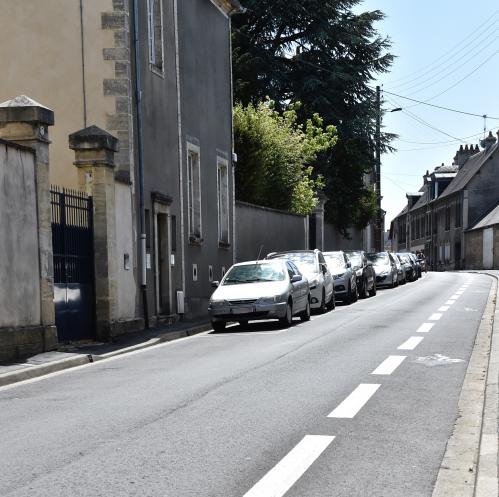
{"points": [[242, 302]]}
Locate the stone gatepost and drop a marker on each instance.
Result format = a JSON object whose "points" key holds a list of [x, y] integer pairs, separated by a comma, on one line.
{"points": [[26, 122], [94, 157], [319, 221]]}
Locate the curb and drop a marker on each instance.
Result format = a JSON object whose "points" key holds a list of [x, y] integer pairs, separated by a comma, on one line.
{"points": [[82, 359], [462, 469]]}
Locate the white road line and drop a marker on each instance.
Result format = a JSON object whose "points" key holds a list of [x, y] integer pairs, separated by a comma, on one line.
{"points": [[443, 308], [455, 296], [425, 327], [411, 344], [435, 316], [355, 401], [450, 302], [389, 365], [284, 475]]}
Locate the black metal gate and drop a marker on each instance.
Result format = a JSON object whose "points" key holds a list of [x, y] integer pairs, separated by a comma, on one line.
{"points": [[72, 243]]}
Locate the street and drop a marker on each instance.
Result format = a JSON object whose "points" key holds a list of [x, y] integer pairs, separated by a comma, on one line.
{"points": [[358, 402]]}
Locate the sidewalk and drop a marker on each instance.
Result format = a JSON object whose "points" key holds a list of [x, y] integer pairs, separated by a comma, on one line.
{"points": [[69, 356]]}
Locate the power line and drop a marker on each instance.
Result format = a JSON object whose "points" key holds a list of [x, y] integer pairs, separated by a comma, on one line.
{"points": [[420, 102], [450, 50]]}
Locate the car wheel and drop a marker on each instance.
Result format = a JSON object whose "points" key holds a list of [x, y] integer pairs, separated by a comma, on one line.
{"points": [[373, 290], [218, 325], [365, 289], [305, 315], [288, 318], [355, 295], [323, 307], [348, 297], [332, 302]]}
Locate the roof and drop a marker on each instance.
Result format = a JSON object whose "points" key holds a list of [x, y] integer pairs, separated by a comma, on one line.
{"points": [[421, 200], [488, 220], [468, 171]]}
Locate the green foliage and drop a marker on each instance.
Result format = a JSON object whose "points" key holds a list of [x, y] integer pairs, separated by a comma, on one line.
{"points": [[275, 154], [324, 55]]}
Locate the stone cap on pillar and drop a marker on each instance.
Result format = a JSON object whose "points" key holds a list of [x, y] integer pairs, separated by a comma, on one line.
{"points": [[25, 109], [93, 146], [93, 138]]}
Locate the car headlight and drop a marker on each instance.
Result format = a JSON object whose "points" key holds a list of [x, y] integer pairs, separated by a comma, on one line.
{"points": [[338, 276], [218, 303], [359, 272], [313, 283], [384, 273], [271, 300]]}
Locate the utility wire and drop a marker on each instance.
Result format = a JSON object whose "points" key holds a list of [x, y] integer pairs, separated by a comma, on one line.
{"points": [[426, 83], [420, 102], [408, 76]]}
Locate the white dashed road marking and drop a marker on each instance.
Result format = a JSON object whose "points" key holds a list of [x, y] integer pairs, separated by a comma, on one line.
{"points": [[411, 344], [284, 475], [425, 327], [435, 316], [443, 308], [389, 365], [450, 302], [355, 401]]}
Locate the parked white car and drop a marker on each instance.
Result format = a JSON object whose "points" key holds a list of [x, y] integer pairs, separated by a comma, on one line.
{"points": [[268, 289], [312, 264], [344, 277]]}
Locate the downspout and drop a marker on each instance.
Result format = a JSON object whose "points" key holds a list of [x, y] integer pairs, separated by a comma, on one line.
{"points": [[84, 86], [140, 155], [180, 145]]}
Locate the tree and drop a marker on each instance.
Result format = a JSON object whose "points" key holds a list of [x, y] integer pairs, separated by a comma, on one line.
{"points": [[274, 156], [321, 53]]}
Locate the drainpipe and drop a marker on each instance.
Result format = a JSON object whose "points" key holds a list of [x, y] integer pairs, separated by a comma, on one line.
{"points": [[140, 155]]}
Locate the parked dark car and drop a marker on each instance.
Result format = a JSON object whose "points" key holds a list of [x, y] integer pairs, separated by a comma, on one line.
{"points": [[364, 272], [385, 268], [408, 265]]}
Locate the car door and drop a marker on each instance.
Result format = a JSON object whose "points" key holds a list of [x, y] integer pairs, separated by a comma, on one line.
{"points": [[327, 277], [300, 288]]}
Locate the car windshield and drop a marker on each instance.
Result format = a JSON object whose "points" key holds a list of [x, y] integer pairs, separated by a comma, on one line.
{"points": [[379, 259], [355, 258], [250, 273], [305, 261], [335, 260]]}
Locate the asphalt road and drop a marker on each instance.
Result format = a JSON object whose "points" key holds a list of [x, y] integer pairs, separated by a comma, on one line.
{"points": [[258, 413]]}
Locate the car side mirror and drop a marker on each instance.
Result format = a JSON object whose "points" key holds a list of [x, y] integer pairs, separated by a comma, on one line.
{"points": [[349, 264], [296, 277], [215, 284], [324, 269]]}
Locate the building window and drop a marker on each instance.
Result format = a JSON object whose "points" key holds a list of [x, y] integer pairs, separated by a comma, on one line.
{"points": [[155, 34], [193, 193], [447, 218], [223, 200], [459, 214]]}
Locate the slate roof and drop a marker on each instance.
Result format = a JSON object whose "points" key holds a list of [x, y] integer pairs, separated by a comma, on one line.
{"points": [[421, 200], [488, 220], [468, 170]]}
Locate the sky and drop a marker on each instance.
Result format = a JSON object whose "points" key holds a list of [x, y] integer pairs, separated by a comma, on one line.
{"points": [[442, 46]]}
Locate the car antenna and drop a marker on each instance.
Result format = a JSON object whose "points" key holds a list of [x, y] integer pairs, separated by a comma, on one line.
{"points": [[259, 253]]}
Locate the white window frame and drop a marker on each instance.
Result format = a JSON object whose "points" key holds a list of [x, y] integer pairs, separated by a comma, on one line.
{"points": [[223, 165], [193, 182], [157, 66]]}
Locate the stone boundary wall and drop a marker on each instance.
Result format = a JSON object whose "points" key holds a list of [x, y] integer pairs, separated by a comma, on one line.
{"points": [[20, 303], [275, 230], [334, 241]]}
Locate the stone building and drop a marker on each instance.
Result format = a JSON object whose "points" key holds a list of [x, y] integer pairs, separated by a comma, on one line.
{"points": [[156, 75], [452, 200]]}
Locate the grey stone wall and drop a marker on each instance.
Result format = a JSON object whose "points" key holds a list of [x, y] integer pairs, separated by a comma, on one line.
{"points": [[333, 240], [19, 267], [474, 249], [275, 230]]}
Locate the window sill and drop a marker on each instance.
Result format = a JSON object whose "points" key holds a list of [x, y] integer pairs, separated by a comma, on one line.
{"points": [[223, 245], [156, 70], [195, 240]]}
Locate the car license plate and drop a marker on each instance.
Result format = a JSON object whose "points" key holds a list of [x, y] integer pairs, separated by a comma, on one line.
{"points": [[242, 310]]}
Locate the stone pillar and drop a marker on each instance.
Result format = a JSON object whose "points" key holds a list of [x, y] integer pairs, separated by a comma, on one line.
{"points": [[319, 222], [26, 122], [94, 157]]}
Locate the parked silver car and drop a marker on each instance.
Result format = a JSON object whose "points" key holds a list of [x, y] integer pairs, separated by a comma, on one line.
{"points": [[312, 265], [345, 278], [268, 289], [385, 268]]}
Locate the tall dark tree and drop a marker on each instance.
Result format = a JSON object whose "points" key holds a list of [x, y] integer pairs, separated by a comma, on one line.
{"points": [[323, 54]]}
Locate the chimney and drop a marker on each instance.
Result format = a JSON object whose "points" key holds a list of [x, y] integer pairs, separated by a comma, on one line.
{"points": [[486, 143], [463, 153]]}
